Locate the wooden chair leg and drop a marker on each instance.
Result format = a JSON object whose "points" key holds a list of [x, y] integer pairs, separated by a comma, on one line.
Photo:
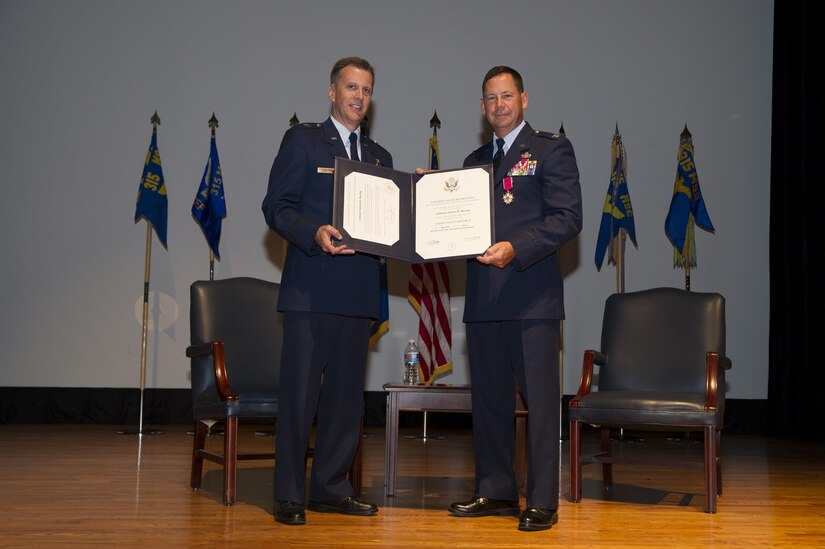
{"points": [[710, 469], [718, 462], [198, 442], [575, 461], [230, 460], [607, 449]]}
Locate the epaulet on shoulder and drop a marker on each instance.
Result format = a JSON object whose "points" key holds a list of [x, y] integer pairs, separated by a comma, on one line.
{"points": [[547, 135], [373, 142], [307, 126]]}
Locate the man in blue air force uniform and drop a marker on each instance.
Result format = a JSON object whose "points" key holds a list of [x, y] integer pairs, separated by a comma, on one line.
{"points": [[515, 300], [329, 295]]}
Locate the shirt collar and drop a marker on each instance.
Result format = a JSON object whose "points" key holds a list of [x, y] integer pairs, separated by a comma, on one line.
{"points": [[508, 139], [344, 133]]}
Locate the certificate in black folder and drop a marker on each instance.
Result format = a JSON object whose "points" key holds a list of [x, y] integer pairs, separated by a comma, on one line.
{"points": [[434, 216]]}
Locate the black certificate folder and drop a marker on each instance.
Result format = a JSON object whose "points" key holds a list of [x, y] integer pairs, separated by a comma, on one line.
{"points": [[434, 216]]}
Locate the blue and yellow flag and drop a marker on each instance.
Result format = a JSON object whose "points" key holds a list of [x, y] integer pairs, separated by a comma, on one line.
{"points": [[435, 161], [210, 204], [618, 211], [687, 207], [382, 325], [152, 203]]}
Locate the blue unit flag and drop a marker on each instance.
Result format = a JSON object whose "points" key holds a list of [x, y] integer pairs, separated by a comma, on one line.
{"points": [[152, 203], [209, 207], [617, 212], [686, 208]]}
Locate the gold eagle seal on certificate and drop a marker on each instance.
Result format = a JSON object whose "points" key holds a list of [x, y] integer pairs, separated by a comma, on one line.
{"points": [[451, 185]]}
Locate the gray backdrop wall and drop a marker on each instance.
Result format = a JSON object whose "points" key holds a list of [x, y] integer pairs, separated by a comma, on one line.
{"points": [[81, 79]]}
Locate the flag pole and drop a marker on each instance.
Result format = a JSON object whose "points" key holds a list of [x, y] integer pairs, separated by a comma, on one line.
{"points": [[622, 234], [435, 123], [620, 247], [145, 321], [145, 329], [213, 123], [687, 137]]}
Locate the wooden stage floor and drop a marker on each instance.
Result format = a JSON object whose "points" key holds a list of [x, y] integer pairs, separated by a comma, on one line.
{"points": [[87, 486]]}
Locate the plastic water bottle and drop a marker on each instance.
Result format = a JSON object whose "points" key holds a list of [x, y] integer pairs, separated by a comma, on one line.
{"points": [[411, 376]]}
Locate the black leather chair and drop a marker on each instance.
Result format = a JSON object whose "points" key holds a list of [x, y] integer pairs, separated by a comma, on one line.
{"points": [[235, 351], [662, 368]]}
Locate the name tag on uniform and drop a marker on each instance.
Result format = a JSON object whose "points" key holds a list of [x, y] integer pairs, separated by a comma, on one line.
{"points": [[326, 170]]}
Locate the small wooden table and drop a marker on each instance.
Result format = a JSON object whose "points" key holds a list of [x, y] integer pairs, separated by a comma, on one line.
{"points": [[440, 398]]}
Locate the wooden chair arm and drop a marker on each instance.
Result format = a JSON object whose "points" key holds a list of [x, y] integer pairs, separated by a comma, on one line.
{"points": [[712, 379], [215, 349], [591, 358], [221, 375]]}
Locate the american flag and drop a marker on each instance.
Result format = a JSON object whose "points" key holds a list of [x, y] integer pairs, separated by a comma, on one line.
{"points": [[429, 294]]}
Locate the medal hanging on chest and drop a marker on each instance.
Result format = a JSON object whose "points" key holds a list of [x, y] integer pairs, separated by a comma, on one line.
{"points": [[508, 196]]}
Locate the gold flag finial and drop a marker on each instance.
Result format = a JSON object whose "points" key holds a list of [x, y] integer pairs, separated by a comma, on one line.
{"points": [[685, 137]]}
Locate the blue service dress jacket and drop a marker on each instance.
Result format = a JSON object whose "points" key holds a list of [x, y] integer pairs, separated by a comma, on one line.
{"points": [[545, 213], [298, 201]]}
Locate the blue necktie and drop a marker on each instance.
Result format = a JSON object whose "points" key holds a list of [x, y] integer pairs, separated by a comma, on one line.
{"points": [[353, 147], [499, 154]]}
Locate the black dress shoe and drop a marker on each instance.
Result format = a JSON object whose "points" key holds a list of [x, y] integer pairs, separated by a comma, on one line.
{"points": [[346, 506], [289, 512], [534, 519], [482, 507]]}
